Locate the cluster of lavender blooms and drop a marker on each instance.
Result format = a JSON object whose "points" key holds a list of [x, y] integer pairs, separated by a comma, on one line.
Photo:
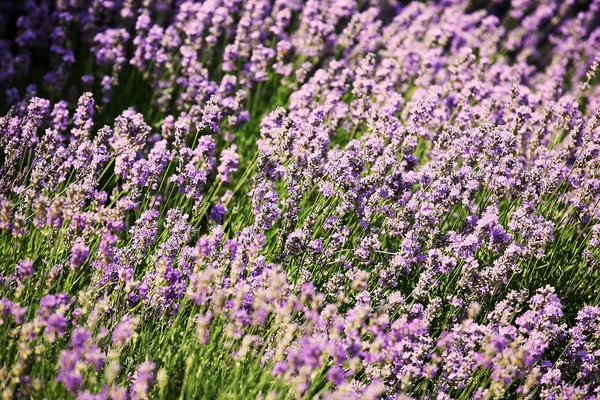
{"points": [[332, 199]]}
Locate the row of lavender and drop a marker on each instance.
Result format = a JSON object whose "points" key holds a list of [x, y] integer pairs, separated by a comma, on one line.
{"points": [[331, 199]]}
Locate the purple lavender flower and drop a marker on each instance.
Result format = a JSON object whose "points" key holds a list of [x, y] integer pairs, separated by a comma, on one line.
{"points": [[25, 269], [229, 164], [79, 253]]}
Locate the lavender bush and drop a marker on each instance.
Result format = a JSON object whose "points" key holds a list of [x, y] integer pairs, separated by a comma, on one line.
{"points": [[331, 199]]}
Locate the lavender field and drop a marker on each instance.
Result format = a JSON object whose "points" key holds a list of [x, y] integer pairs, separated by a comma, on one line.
{"points": [[284, 199]]}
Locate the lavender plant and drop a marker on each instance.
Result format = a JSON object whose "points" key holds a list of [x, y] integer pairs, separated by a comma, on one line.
{"points": [[331, 199]]}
